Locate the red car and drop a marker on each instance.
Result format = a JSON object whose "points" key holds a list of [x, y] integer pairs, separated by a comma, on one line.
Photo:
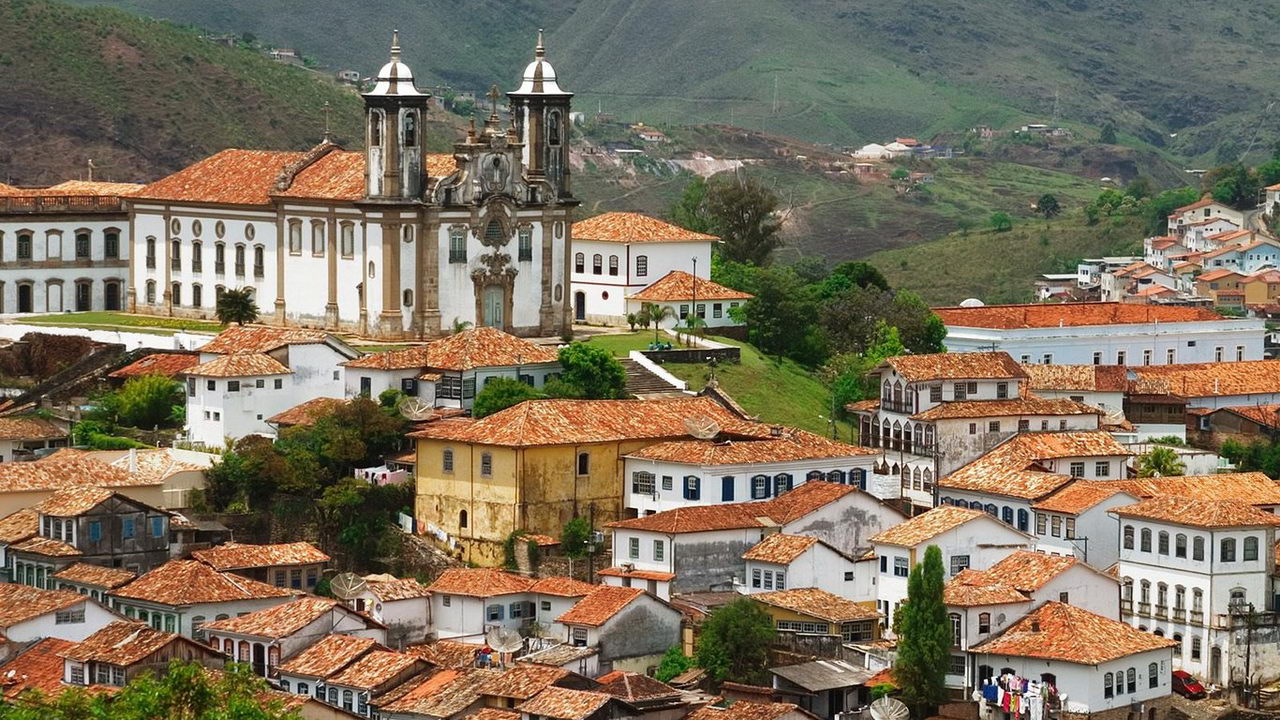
{"points": [[1187, 686]]}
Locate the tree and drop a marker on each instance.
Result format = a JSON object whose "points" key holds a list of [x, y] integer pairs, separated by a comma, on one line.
{"points": [[237, 306], [852, 382], [657, 314], [460, 325], [690, 211], [781, 314], [734, 643], [1139, 188], [924, 645], [1001, 222], [1158, 209], [594, 370], [1233, 184], [742, 213], [850, 320], [1048, 206], [673, 663], [1160, 462], [148, 401], [575, 538], [1108, 136], [186, 691], [501, 393], [633, 319]]}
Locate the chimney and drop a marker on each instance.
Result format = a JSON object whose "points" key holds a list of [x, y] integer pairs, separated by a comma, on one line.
{"points": [[1035, 626], [775, 431], [133, 460]]}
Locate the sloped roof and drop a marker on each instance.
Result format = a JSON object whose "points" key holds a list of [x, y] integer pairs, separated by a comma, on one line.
{"points": [[785, 508], [188, 582], [124, 642], [45, 546], [1028, 570], [240, 365], [1090, 378], [1057, 631], [744, 710], [955, 366], [233, 177], [1079, 496], [1030, 405], [156, 464], [680, 285], [480, 582], [305, 413], [96, 575], [564, 703], [816, 603], [19, 603], [329, 655], [1012, 467], [373, 669], [780, 548], [793, 444], [600, 606], [1195, 512], [18, 526], [30, 427], [523, 681], [1192, 380], [632, 686], [39, 667], [971, 588], [67, 469], [631, 227], [167, 364], [440, 694], [927, 525], [260, 339], [277, 621], [73, 501], [562, 586], [398, 589], [236, 556], [1042, 315]]}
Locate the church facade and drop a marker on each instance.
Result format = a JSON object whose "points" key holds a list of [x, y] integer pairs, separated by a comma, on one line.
{"points": [[390, 242]]}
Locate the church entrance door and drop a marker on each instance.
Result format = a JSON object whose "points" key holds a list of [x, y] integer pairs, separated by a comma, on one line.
{"points": [[24, 298], [492, 303], [112, 296], [579, 306]]}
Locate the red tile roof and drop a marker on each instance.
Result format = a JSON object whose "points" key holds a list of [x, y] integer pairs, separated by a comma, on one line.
{"points": [[564, 704], [480, 582], [260, 339], [96, 575], [600, 606], [238, 556], [955, 366], [441, 694], [73, 501], [632, 686], [1193, 380], [188, 582], [571, 422], [409, 358], [45, 546], [398, 589], [1012, 468], [1028, 571], [637, 574], [1056, 631], [239, 365], [167, 364], [971, 588], [630, 227], [125, 642], [563, 587], [466, 350], [781, 510], [927, 525], [1196, 512], [39, 667], [744, 710], [19, 603], [29, 428], [1079, 496], [780, 548], [19, 526], [816, 603], [1091, 378], [329, 655], [680, 285], [1009, 317], [791, 445], [375, 668], [447, 653], [66, 469], [305, 413], [277, 621], [1017, 407], [523, 681], [237, 177]]}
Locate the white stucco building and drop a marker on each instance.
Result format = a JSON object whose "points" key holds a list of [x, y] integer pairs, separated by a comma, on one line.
{"points": [[1204, 209], [182, 595], [618, 254], [780, 561], [682, 295], [1103, 333], [32, 613]]}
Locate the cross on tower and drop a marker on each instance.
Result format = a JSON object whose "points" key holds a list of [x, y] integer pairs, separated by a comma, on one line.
{"points": [[326, 109], [493, 98]]}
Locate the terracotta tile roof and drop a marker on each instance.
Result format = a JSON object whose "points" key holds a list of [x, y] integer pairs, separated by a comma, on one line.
{"points": [[956, 366], [239, 365], [1091, 378], [447, 653], [780, 548], [792, 445], [19, 526], [260, 339], [1078, 496], [19, 603], [493, 714], [29, 428], [485, 347], [563, 587], [374, 669], [440, 164], [1028, 571], [167, 364], [73, 501], [65, 470], [781, 510], [1196, 512], [337, 175], [123, 642], [1219, 273], [39, 667], [1012, 468], [571, 422], [971, 588], [188, 582], [399, 359], [538, 539], [558, 655], [637, 574], [927, 525], [45, 546], [1001, 408], [744, 710], [154, 465], [237, 556], [480, 582], [632, 686], [863, 405], [93, 187], [398, 589], [1255, 486], [523, 681], [277, 621], [96, 575], [630, 227], [680, 285], [441, 694], [329, 655], [1203, 202], [235, 177], [816, 603], [884, 677], [1194, 380], [600, 606], [1035, 315], [1056, 631], [305, 413], [565, 704]]}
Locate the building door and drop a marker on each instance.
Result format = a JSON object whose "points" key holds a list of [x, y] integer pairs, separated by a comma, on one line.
{"points": [[259, 659], [53, 297], [112, 292], [24, 298], [579, 306], [1215, 665], [366, 386], [83, 291], [492, 303]]}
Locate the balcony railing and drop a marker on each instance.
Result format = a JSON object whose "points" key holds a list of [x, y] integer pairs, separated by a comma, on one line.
{"points": [[1179, 614], [240, 269], [35, 204], [220, 267], [898, 406], [1197, 617], [1221, 621], [1162, 611], [1144, 609], [1126, 606]]}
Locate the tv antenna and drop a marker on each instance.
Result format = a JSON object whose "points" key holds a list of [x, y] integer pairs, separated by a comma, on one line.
{"points": [[347, 586], [887, 708], [702, 427]]}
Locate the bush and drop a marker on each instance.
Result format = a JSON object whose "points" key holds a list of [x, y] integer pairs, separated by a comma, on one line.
{"points": [[674, 662], [501, 393]]}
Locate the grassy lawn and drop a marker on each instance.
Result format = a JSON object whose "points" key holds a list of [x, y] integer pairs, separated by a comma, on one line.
{"points": [[124, 321], [620, 344], [779, 392]]}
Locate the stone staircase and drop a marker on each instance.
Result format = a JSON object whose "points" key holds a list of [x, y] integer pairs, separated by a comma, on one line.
{"points": [[643, 383]]}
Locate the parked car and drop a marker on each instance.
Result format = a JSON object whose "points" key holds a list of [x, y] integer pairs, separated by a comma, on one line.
{"points": [[1187, 686]]}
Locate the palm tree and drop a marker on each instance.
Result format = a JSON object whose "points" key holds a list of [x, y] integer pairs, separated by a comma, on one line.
{"points": [[1160, 462], [657, 314], [236, 306], [460, 325]]}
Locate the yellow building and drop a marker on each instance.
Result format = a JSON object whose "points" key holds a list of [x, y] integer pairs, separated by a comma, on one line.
{"points": [[1263, 288], [814, 611], [539, 464]]}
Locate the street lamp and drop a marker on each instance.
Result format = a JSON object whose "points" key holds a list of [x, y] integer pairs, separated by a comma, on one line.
{"points": [[690, 322]]}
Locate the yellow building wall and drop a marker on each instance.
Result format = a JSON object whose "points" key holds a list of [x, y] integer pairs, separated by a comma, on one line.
{"points": [[1260, 293]]}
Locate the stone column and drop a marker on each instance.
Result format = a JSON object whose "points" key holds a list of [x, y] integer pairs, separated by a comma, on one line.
{"points": [[428, 307], [282, 252], [331, 258], [390, 321]]}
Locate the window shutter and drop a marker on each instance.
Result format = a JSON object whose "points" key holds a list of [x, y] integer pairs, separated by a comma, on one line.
{"points": [[726, 488]]}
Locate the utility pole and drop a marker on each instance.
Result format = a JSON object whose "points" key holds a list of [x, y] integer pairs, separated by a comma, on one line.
{"points": [[775, 94]]}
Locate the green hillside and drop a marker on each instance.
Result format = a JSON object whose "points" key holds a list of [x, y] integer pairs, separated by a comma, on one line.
{"points": [[831, 70]]}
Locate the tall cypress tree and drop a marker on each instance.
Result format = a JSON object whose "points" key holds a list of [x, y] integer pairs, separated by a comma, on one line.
{"points": [[925, 640]]}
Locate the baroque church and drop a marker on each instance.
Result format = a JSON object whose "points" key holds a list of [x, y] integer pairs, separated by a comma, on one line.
{"points": [[392, 242]]}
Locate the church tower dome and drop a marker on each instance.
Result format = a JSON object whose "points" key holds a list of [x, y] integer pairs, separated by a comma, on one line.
{"points": [[540, 111], [539, 77], [394, 111], [395, 78]]}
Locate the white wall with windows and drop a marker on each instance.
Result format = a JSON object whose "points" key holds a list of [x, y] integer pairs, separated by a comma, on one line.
{"points": [[603, 274], [1094, 688], [1122, 344], [50, 263], [820, 567]]}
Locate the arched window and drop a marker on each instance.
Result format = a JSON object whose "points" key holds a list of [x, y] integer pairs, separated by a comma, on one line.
{"points": [[836, 476], [375, 130], [597, 264], [82, 244], [175, 255], [197, 624], [1158, 632], [897, 435], [229, 648], [1162, 595], [446, 460], [1146, 540], [151, 250], [915, 478], [197, 256], [990, 509], [1131, 680], [1180, 545], [886, 391], [219, 257], [317, 238], [239, 259], [411, 129], [928, 480], [175, 294], [197, 295], [961, 502], [613, 264], [781, 483], [1250, 549], [1228, 550], [1126, 589], [906, 478], [946, 500], [462, 518], [408, 298], [111, 243], [897, 394], [347, 235], [642, 265], [584, 463], [1197, 548], [1006, 514], [984, 623], [1145, 595], [486, 464], [295, 236], [1128, 537], [759, 487], [813, 475], [1162, 543], [553, 128], [1195, 647], [1106, 685], [859, 478], [259, 268], [1177, 649], [1024, 519], [579, 261]]}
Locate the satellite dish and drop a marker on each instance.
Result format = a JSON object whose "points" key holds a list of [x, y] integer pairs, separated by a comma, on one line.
{"points": [[503, 639], [972, 302], [702, 427], [347, 586], [887, 708], [416, 410]]}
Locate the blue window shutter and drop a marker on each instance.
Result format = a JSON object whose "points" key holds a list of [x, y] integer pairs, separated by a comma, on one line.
{"points": [[95, 531], [726, 488]]}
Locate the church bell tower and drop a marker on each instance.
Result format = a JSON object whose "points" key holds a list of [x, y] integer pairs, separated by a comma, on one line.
{"points": [[540, 110], [394, 111]]}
